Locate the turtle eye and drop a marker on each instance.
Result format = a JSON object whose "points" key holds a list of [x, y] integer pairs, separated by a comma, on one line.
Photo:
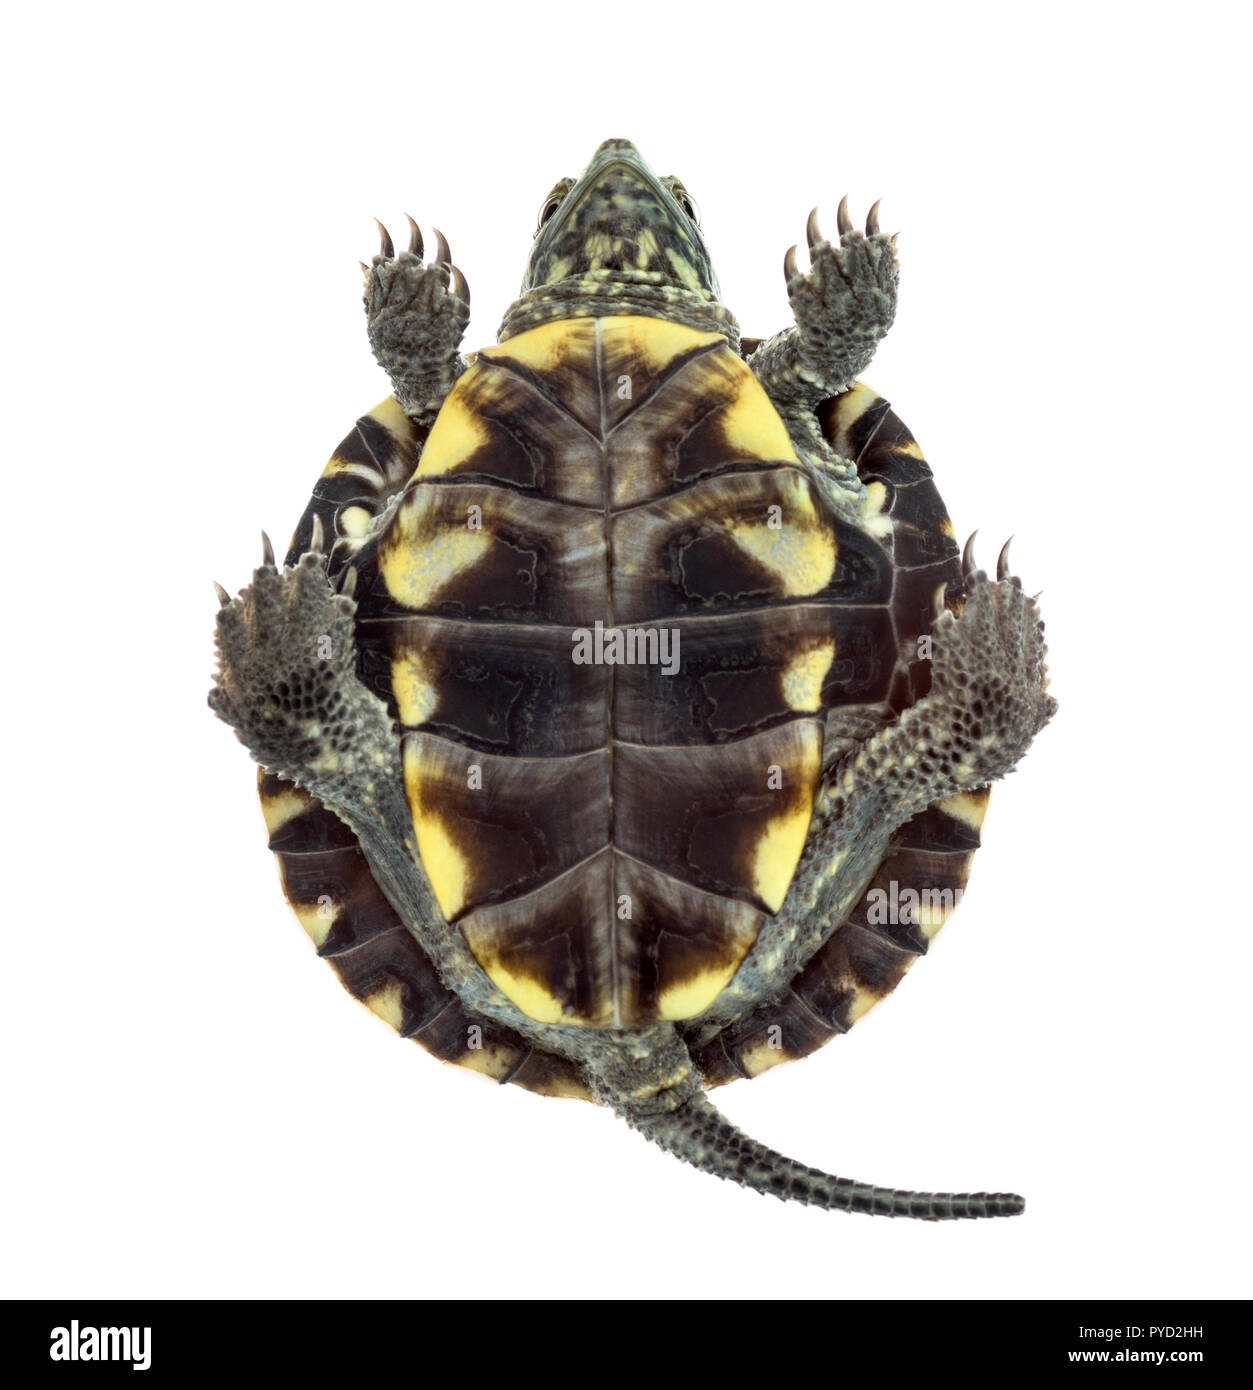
{"points": [[548, 212], [685, 202]]}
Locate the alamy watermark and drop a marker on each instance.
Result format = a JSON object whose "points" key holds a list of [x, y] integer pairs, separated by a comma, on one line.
{"points": [[896, 906], [627, 646], [76, 1343]]}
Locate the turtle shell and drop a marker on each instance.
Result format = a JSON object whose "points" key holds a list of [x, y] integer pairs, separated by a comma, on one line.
{"points": [[611, 834]]}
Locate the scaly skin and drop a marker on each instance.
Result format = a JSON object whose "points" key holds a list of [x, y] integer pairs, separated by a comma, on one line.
{"points": [[843, 307]]}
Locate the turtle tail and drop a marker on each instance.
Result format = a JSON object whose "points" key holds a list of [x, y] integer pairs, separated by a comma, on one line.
{"points": [[698, 1134]]}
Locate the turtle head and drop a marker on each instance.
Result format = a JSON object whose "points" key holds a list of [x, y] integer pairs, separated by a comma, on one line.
{"points": [[619, 222]]}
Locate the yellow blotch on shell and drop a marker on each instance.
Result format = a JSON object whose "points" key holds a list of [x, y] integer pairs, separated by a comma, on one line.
{"points": [[393, 419], [354, 522], [760, 1056], [656, 342], [874, 518], [387, 1003], [416, 697], [751, 426], [283, 807], [317, 919], [542, 348], [778, 850], [493, 1062], [862, 1002], [853, 404], [528, 994], [566, 1088], [801, 552], [442, 859], [930, 917], [419, 557], [693, 995], [340, 467], [456, 435], [803, 676], [967, 807]]}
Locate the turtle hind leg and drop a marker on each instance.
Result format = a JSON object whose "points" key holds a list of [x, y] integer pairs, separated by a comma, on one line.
{"points": [[286, 684], [416, 315], [988, 700], [700, 1135]]}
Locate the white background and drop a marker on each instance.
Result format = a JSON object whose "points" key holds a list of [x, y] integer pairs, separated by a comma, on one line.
{"points": [[191, 1105]]}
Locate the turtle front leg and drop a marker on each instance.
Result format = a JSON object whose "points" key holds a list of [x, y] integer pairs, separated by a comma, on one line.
{"points": [[416, 316], [843, 307]]}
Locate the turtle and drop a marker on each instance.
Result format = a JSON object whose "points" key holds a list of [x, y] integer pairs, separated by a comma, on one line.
{"points": [[624, 707]]}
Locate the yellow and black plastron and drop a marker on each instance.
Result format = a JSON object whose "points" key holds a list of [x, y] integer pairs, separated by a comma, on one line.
{"points": [[610, 838]]}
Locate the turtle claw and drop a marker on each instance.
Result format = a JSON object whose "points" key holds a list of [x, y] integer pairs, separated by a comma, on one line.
{"points": [[938, 607], [223, 597], [443, 256], [415, 238], [267, 551], [459, 286], [813, 233], [348, 585], [318, 537], [1002, 562], [790, 272], [387, 251], [968, 556], [843, 221]]}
